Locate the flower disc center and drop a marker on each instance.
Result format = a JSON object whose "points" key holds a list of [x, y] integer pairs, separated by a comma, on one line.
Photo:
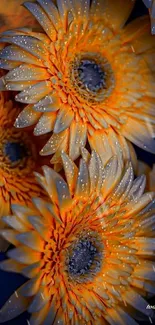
{"points": [[91, 75], [82, 258], [15, 151]]}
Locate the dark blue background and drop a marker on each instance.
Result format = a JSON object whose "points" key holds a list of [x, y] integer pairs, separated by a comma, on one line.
{"points": [[9, 282]]}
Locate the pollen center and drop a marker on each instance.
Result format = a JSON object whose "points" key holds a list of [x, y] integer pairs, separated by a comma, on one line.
{"points": [[91, 75], [85, 257], [15, 151], [82, 258]]}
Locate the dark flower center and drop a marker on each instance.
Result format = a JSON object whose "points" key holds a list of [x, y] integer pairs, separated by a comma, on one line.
{"points": [[82, 258], [15, 151], [91, 75]]}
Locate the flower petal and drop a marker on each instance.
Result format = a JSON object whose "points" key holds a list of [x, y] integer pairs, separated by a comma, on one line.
{"points": [[53, 143], [42, 18], [94, 170], [64, 196], [10, 236], [46, 104], [85, 155], [34, 93], [39, 301], [71, 171], [47, 210], [18, 85], [51, 11], [56, 159], [135, 300], [24, 255], [118, 13], [15, 306], [148, 225], [145, 271], [125, 184], [145, 199], [27, 72], [27, 117], [30, 44], [51, 314], [52, 209], [45, 124], [59, 319], [63, 8], [10, 265], [14, 53], [8, 65], [56, 186], [111, 176], [139, 283], [38, 317], [63, 120], [25, 31], [22, 212], [78, 135], [143, 137], [32, 240], [83, 183], [32, 270], [135, 29], [39, 225], [31, 287], [15, 223], [100, 143], [147, 3], [41, 206], [145, 246], [118, 316], [137, 188], [79, 8]]}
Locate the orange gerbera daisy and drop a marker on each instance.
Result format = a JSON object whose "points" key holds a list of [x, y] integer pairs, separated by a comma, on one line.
{"points": [[88, 253], [86, 76], [18, 160], [151, 5]]}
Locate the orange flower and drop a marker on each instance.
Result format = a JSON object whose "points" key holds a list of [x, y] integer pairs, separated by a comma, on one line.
{"points": [[18, 160], [14, 15], [88, 76], [88, 253], [151, 5]]}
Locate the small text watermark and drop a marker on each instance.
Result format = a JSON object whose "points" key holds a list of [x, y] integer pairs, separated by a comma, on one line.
{"points": [[150, 307]]}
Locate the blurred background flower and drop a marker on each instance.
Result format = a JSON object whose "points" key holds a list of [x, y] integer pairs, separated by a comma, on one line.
{"points": [[19, 158], [14, 15]]}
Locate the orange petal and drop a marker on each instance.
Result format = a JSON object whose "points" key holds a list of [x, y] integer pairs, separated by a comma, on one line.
{"points": [[140, 134], [117, 12], [136, 29], [24, 255]]}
